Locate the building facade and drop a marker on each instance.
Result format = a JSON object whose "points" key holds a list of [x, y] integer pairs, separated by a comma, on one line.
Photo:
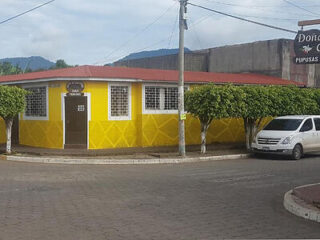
{"points": [[271, 57], [108, 107]]}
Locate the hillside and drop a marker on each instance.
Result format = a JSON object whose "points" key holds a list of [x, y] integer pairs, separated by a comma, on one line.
{"points": [[34, 62], [153, 53]]}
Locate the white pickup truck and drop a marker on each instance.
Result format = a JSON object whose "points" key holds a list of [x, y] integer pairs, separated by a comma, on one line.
{"points": [[289, 135]]}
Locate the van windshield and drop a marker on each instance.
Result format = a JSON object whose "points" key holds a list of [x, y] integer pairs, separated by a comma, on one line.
{"points": [[283, 124]]}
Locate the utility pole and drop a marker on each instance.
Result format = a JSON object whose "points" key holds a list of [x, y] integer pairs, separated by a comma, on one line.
{"points": [[182, 116]]}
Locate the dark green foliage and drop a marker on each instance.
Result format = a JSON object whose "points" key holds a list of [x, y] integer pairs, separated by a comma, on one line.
{"points": [[211, 102], [12, 101], [7, 68], [272, 101], [60, 64], [252, 103]]}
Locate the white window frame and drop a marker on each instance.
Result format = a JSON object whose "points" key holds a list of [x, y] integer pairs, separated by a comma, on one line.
{"points": [[157, 111], [119, 118], [46, 118]]}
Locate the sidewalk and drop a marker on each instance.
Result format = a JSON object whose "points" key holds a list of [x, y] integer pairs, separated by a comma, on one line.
{"points": [[151, 155], [304, 201]]}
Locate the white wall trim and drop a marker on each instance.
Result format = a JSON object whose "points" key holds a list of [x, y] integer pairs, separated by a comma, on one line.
{"points": [[63, 117], [46, 118], [119, 118]]}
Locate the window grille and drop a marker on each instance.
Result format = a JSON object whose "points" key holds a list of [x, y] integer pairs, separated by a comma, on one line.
{"points": [[36, 102], [119, 101], [161, 98]]}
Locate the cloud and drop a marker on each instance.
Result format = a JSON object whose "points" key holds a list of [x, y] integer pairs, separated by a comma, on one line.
{"points": [[48, 41], [85, 32]]}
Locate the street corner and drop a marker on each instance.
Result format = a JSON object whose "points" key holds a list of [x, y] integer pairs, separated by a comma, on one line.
{"points": [[304, 201]]}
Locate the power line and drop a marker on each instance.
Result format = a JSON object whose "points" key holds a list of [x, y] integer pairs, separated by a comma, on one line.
{"points": [[243, 19], [301, 8], [248, 16], [252, 6], [137, 34], [32, 9], [173, 29], [137, 50], [259, 8], [195, 32]]}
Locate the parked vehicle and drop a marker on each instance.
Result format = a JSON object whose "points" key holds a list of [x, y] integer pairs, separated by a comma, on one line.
{"points": [[289, 135]]}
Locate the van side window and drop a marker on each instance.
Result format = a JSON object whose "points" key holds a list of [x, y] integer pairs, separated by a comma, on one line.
{"points": [[317, 123], [307, 126]]}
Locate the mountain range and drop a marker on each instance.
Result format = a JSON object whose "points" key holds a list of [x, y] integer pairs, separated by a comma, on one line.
{"points": [[37, 62], [34, 62], [153, 53]]}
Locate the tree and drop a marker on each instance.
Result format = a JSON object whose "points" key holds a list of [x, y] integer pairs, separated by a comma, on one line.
{"points": [[7, 68], [60, 64], [257, 100], [211, 102], [272, 101], [12, 102]]}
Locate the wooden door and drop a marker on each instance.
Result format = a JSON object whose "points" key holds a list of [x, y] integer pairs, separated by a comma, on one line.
{"points": [[76, 122]]}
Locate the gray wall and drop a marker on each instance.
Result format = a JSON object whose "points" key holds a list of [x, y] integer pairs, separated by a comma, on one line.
{"points": [[272, 57], [259, 57], [193, 62]]}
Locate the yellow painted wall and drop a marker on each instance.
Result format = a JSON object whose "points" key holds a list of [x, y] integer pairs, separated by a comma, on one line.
{"points": [[162, 130], [2, 131], [43, 133], [113, 134], [143, 130]]}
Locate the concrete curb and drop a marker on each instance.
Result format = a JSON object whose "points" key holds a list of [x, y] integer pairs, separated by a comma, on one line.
{"points": [[300, 208], [92, 160]]}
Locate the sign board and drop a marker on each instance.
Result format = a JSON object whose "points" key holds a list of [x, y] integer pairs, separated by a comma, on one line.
{"points": [[183, 116], [75, 94], [75, 88], [307, 47]]}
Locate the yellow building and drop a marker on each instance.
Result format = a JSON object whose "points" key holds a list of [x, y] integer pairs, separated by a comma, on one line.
{"points": [[97, 107]]}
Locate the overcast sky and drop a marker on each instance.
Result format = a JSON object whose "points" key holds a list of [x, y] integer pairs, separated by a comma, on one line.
{"points": [[102, 31]]}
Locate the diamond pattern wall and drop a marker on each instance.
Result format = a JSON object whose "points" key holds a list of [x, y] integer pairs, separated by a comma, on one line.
{"points": [[112, 134], [46, 134]]}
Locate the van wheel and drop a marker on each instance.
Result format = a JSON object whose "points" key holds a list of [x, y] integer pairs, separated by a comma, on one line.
{"points": [[297, 152]]}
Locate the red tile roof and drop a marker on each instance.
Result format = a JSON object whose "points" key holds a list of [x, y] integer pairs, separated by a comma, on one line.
{"points": [[106, 72]]}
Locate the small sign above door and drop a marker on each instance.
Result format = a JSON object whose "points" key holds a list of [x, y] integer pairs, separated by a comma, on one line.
{"points": [[75, 88]]}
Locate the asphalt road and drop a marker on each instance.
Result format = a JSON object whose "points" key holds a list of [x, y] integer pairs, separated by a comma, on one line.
{"points": [[223, 199]]}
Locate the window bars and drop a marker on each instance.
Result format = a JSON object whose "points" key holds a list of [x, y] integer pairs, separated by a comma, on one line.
{"points": [[119, 101], [36, 102]]}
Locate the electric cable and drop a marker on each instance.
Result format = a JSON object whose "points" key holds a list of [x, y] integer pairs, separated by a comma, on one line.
{"points": [[259, 8], [173, 29], [137, 34], [243, 19], [30, 10], [252, 6], [193, 29], [139, 50], [301, 8]]}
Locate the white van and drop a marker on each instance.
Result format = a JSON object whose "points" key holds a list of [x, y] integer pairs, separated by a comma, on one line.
{"points": [[289, 135]]}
